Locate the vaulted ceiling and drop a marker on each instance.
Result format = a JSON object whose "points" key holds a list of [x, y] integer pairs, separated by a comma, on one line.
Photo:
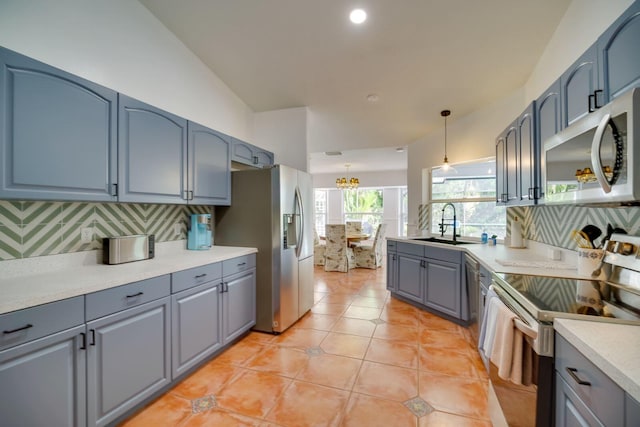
{"points": [[416, 56]]}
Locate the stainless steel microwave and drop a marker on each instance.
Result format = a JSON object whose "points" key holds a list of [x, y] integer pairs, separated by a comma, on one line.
{"points": [[596, 159]]}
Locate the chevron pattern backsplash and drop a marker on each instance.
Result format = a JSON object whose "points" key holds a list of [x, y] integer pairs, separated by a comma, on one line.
{"points": [[553, 224], [37, 228]]}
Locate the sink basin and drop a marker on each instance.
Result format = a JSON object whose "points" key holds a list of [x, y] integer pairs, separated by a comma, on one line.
{"points": [[438, 240]]}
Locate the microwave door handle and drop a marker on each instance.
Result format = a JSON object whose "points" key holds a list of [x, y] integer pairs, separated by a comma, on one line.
{"points": [[596, 162]]}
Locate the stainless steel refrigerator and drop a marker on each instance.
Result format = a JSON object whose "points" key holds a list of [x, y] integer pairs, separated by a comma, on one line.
{"points": [[272, 210]]}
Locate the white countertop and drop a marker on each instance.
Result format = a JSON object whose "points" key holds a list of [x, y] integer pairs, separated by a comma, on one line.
{"points": [[611, 347], [33, 281]]}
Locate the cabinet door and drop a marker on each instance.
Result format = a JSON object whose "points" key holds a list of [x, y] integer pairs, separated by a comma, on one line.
{"points": [[410, 277], [392, 272], [250, 154], [238, 304], [128, 359], [195, 326], [631, 411], [58, 138], [43, 383], [570, 410], [529, 170], [209, 168], [443, 287], [512, 164], [501, 170], [618, 59], [263, 157], [576, 85], [152, 154]]}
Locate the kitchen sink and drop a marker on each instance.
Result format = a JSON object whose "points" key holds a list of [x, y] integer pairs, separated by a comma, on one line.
{"points": [[438, 240]]}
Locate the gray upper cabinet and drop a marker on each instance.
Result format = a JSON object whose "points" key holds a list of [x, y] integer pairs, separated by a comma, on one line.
{"points": [[548, 113], [152, 154], [251, 155], [577, 87], [511, 163], [58, 138], [501, 169], [529, 172], [618, 59], [209, 166]]}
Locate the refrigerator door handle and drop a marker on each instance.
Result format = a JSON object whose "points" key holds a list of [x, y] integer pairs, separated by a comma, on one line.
{"points": [[300, 223]]}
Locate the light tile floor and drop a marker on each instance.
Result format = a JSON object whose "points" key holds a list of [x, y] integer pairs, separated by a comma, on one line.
{"points": [[358, 358]]}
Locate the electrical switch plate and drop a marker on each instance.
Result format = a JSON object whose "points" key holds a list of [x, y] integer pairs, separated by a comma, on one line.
{"points": [[177, 229], [86, 235]]}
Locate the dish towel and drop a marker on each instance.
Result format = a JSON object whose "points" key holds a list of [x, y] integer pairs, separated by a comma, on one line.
{"points": [[507, 344], [487, 332]]}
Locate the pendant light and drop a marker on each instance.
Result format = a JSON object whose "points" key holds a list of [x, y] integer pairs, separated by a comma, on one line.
{"points": [[445, 163], [346, 183]]}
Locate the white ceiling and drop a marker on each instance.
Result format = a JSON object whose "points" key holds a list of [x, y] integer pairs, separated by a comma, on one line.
{"points": [[418, 56]]}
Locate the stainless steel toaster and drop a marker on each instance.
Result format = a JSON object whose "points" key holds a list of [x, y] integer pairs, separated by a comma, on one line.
{"points": [[121, 249]]}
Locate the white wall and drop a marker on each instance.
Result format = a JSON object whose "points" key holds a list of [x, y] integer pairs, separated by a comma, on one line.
{"points": [[367, 179], [285, 133], [473, 136], [121, 45]]}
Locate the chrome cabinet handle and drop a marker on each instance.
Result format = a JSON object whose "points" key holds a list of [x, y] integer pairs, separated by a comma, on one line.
{"points": [[572, 373], [12, 331]]}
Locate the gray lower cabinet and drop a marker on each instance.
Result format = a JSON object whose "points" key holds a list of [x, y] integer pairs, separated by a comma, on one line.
{"points": [[585, 396], [152, 154], [58, 138], [392, 266], [631, 412], [411, 277], [443, 287], [43, 382], [238, 304], [128, 347], [195, 325]]}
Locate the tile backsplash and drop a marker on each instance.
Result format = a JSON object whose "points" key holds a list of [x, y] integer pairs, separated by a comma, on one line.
{"points": [[553, 224], [38, 228]]}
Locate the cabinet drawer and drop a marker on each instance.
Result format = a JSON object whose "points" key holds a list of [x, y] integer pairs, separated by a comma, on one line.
{"points": [[25, 325], [236, 265], [443, 254], [392, 246], [603, 397], [186, 279], [116, 299], [411, 249]]}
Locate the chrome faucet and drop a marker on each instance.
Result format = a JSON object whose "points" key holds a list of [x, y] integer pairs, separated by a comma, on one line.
{"points": [[443, 224]]}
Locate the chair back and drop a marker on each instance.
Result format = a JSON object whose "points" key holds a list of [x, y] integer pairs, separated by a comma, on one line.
{"points": [[354, 227], [336, 250], [316, 239], [380, 233]]}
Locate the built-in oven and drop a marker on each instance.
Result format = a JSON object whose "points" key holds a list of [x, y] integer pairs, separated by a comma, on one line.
{"points": [[594, 160], [536, 301]]}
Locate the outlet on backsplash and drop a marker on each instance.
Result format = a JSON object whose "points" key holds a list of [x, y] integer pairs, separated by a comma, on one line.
{"points": [[86, 235], [177, 229]]}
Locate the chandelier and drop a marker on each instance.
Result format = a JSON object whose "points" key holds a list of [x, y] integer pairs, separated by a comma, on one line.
{"points": [[346, 183]]}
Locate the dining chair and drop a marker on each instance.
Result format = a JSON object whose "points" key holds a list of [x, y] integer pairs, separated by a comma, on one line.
{"points": [[337, 255], [319, 248], [370, 255], [354, 227]]}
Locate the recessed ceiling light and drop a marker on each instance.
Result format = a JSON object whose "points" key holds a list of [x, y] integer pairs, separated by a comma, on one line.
{"points": [[400, 149], [358, 16], [372, 97]]}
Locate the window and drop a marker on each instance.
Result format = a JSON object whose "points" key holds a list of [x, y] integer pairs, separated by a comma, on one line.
{"points": [[471, 188], [404, 211], [364, 205], [320, 211]]}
